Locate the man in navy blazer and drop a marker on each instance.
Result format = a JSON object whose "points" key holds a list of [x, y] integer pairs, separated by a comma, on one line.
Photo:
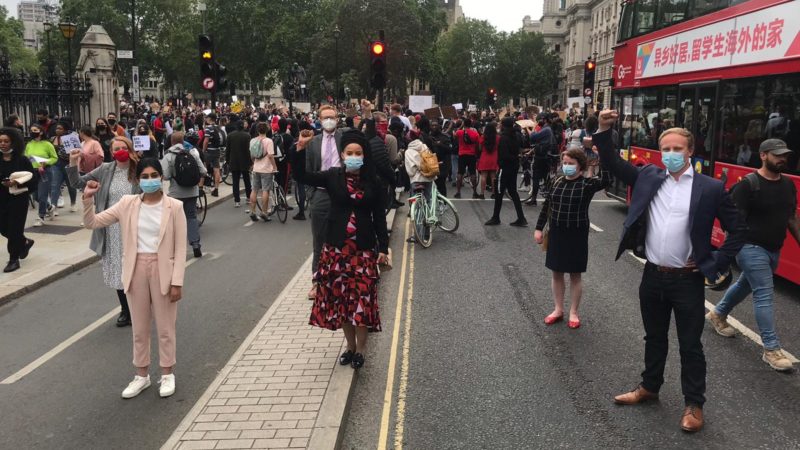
{"points": [[669, 223]]}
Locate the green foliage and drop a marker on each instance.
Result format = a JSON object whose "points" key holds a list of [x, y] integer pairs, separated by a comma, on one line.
{"points": [[12, 45]]}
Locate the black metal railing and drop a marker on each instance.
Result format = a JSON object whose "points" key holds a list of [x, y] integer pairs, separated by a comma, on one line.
{"points": [[24, 94]]}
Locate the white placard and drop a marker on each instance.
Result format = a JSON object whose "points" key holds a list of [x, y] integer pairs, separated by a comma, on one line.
{"points": [[458, 106], [39, 159], [124, 54], [302, 106], [761, 36], [141, 143], [472, 108], [70, 142], [419, 103]]}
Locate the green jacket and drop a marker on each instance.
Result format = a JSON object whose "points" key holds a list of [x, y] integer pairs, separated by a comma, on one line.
{"points": [[41, 149]]}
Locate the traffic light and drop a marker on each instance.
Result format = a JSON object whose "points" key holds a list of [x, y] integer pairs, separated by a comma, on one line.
{"points": [[588, 78], [377, 57], [491, 96], [221, 80], [207, 64]]}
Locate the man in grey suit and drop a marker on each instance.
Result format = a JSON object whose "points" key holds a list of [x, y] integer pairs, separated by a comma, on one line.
{"points": [[322, 154]]}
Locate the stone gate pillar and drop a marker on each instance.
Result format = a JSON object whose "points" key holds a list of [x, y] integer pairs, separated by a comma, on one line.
{"points": [[98, 62]]}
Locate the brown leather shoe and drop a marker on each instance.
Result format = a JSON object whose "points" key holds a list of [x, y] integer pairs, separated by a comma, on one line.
{"points": [[692, 420], [636, 396]]}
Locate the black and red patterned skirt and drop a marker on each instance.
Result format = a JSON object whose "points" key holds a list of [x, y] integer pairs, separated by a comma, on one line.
{"points": [[347, 292]]}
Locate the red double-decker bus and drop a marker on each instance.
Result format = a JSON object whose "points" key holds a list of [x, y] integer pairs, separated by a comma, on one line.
{"points": [[728, 70]]}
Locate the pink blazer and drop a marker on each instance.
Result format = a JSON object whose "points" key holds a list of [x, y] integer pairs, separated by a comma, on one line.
{"points": [[171, 240]]}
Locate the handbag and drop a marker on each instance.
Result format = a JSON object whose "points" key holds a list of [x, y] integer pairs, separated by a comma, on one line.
{"points": [[546, 232], [387, 266]]}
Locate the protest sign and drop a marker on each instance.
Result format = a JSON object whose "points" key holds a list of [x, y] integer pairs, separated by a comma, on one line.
{"points": [[141, 143], [70, 142], [419, 103]]}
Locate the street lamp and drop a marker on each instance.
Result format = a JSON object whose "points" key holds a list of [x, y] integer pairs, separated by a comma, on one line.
{"points": [[48, 27], [68, 30], [336, 33]]}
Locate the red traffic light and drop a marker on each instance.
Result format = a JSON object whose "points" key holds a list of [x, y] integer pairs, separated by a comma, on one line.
{"points": [[590, 65], [491, 91], [377, 48]]}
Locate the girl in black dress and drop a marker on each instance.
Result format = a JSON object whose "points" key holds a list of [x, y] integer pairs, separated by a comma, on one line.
{"points": [[566, 207], [14, 170]]}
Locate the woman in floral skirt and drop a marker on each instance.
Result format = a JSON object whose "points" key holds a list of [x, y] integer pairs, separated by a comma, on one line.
{"points": [[356, 242]]}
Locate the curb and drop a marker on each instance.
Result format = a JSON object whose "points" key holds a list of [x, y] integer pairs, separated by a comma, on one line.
{"points": [[78, 265], [327, 434]]}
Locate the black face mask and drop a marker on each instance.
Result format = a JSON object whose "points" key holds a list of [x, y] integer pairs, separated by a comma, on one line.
{"points": [[112, 122], [101, 127], [142, 132], [35, 134]]}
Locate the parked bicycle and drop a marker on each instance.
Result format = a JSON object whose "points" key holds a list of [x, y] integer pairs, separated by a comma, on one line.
{"points": [[427, 216]]}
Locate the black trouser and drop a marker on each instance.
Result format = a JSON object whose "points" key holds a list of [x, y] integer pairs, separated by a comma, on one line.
{"points": [[13, 212], [300, 195], [441, 184], [246, 176], [123, 302], [659, 294], [507, 181], [538, 174]]}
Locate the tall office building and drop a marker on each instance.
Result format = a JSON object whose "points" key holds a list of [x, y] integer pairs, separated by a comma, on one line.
{"points": [[33, 15]]}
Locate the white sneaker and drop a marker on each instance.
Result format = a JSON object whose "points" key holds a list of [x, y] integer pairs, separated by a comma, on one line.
{"points": [[136, 386], [55, 213], [38, 223], [236, 204], [60, 202], [73, 208], [167, 383]]}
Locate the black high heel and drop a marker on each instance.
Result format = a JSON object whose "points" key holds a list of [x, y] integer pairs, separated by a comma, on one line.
{"points": [[358, 361], [346, 358]]}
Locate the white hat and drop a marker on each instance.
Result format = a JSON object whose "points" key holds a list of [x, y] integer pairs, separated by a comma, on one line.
{"points": [[21, 177]]}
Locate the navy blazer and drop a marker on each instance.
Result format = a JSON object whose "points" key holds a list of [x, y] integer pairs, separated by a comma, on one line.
{"points": [[709, 201]]}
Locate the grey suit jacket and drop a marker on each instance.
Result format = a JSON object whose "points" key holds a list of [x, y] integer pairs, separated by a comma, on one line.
{"points": [[103, 175], [314, 155]]}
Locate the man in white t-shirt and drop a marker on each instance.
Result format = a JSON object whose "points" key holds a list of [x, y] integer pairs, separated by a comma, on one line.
{"points": [[264, 169]]}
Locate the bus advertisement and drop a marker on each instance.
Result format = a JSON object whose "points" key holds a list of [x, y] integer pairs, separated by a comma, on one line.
{"points": [[727, 70]]}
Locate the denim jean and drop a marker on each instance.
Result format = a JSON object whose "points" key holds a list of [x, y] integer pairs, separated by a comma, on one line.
{"points": [[758, 265], [43, 191], [58, 176], [453, 166], [192, 225]]}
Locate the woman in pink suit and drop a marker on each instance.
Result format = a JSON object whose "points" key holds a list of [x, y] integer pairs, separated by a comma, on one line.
{"points": [[154, 260]]}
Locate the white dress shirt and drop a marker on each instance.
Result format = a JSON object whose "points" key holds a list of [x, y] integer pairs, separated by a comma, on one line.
{"points": [[668, 243]]}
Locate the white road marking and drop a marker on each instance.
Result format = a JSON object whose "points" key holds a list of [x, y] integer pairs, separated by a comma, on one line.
{"points": [[595, 227], [73, 339], [739, 326], [59, 348]]}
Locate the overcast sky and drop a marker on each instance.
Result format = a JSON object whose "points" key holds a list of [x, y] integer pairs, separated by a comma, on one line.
{"points": [[506, 15]]}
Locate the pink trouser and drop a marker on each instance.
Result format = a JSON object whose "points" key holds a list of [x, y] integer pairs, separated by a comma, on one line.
{"points": [[144, 298]]}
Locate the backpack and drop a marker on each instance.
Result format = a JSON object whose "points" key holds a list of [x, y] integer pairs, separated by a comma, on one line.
{"points": [[428, 164], [467, 139], [280, 155], [256, 149], [755, 185], [187, 172]]}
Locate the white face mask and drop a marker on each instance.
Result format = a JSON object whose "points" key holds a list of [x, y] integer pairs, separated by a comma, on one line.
{"points": [[329, 125]]}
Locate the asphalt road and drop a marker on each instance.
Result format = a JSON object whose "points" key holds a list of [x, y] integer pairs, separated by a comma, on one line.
{"points": [[73, 400], [483, 371]]}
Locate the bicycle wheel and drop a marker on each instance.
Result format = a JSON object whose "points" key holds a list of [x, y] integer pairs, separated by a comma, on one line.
{"points": [[281, 206], [422, 229], [447, 214], [225, 173], [202, 206]]}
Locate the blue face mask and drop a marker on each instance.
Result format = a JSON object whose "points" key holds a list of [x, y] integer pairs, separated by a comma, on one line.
{"points": [[569, 169], [150, 186], [673, 161], [353, 163]]}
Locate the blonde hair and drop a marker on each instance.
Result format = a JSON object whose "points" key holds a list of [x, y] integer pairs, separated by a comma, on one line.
{"points": [[132, 156], [325, 108], [680, 132]]}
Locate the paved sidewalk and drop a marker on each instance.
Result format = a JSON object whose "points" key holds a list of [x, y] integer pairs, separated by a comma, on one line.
{"points": [[283, 388], [62, 247], [270, 393]]}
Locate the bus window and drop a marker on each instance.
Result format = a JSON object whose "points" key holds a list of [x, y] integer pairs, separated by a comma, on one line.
{"points": [[625, 27], [672, 11], [700, 7], [648, 122], [686, 109], [645, 16], [704, 132]]}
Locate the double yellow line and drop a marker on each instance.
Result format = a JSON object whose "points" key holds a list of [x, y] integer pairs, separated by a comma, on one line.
{"points": [[407, 264]]}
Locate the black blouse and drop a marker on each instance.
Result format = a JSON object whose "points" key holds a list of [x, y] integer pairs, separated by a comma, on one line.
{"points": [[568, 201], [370, 215]]}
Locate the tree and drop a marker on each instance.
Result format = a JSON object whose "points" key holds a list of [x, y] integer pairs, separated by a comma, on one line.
{"points": [[13, 46], [524, 65], [465, 60]]}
